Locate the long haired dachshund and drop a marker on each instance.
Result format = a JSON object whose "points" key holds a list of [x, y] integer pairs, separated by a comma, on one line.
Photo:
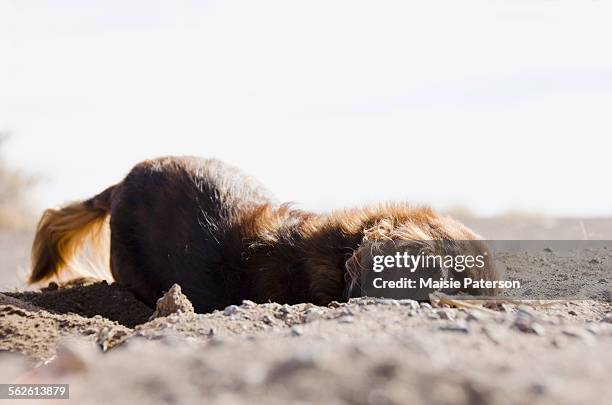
{"points": [[222, 236]]}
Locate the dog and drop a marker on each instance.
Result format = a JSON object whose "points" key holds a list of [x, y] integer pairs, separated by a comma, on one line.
{"points": [[224, 238]]}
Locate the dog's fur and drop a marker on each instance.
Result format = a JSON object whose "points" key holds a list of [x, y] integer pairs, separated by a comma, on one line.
{"points": [[222, 236]]}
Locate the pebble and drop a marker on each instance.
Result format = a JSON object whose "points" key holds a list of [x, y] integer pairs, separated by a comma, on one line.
{"points": [[362, 301], [474, 316], [248, 304], [230, 310], [412, 304], [524, 310], [461, 327], [537, 329], [267, 319], [445, 314], [527, 325], [107, 337], [387, 301]]}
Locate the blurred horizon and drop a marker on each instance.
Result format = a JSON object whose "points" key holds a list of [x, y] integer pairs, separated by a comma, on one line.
{"points": [[482, 106]]}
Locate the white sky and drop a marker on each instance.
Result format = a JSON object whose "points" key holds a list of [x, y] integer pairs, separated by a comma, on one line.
{"points": [[493, 105]]}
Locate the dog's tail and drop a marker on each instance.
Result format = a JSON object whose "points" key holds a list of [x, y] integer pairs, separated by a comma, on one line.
{"points": [[62, 233]]}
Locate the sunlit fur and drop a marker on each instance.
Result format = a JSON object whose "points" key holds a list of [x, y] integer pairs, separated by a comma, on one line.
{"points": [[61, 233]]}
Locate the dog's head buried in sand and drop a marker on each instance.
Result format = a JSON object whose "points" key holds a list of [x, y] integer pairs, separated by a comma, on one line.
{"points": [[220, 235]]}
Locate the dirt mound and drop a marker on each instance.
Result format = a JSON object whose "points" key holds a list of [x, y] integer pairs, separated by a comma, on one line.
{"points": [[112, 302]]}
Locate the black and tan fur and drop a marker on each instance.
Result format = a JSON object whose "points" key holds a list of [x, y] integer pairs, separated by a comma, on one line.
{"points": [[222, 236]]}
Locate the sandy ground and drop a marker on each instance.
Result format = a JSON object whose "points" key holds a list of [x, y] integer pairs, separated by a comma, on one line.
{"points": [[14, 258], [99, 339]]}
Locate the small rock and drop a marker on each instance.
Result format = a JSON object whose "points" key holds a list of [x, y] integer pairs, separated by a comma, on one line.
{"points": [[267, 319], [461, 327], [607, 318], [296, 331], [386, 301], [524, 310], [230, 310], [572, 312], [362, 301], [173, 301], [433, 315], [548, 250], [474, 316], [412, 304], [445, 314], [537, 329], [527, 325], [108, 337], [248, 304]]}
